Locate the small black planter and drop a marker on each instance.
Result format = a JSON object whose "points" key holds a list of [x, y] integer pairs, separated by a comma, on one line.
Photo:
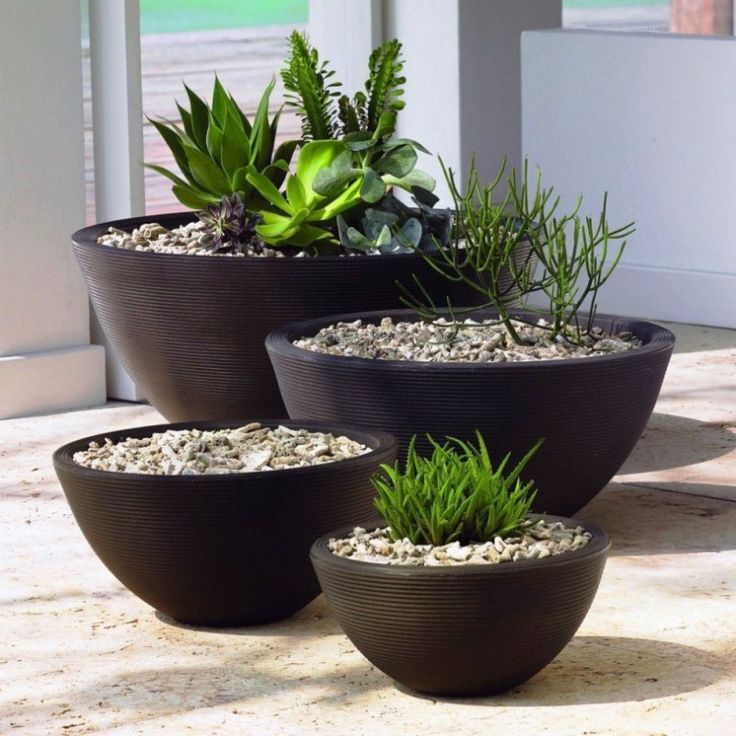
{"points": [[466, 630], [591, 411], [190, 329], [219, 550]]}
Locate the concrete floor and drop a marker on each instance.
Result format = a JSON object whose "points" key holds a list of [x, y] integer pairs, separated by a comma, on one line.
{"points": [[655, 656]]}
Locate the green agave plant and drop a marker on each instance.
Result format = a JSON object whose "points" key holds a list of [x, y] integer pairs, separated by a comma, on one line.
{"points": [[454, 494], [300, 216], [217, 148]]}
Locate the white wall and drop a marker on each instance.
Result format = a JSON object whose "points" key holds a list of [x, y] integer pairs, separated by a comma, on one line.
{"points": [[46, 362], [463, 94], [651, 119]]}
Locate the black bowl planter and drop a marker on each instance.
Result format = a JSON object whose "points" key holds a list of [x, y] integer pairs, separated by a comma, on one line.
{"points": [[591, 411], [465, 630], [219, 550], [190, 329]]}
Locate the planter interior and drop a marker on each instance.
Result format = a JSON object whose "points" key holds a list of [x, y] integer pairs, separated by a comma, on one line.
{"points": [[462, 631], [230, 549], [190, 329], [590, 411]]}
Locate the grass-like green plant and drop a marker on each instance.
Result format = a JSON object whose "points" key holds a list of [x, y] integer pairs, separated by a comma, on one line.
{"points": [[566, 258], [454, 494], [216, 148]]}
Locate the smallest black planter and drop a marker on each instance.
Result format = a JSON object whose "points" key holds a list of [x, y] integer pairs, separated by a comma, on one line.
{"points": [[219, 550], [471, 630]]}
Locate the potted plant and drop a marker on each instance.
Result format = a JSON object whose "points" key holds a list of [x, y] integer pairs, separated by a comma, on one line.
{"points": [[464, 592], [586, 382], [211, 523], [280, 234]]}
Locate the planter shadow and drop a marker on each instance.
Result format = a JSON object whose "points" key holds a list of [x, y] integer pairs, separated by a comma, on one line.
{"points": [[643, 520], [609, 669]]}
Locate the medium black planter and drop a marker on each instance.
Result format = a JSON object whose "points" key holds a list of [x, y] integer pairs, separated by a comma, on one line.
{"points": [[466, 630], [190, 329], [591, 411], [219, 550]]}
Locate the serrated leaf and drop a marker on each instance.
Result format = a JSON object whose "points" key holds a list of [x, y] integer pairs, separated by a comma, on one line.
{"points": [[235, 149], [191, 198], [220, 102], [261, 140], [174, 142]]}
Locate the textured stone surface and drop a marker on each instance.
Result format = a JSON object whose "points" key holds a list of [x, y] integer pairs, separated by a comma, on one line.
{"points": [[79, 654]]}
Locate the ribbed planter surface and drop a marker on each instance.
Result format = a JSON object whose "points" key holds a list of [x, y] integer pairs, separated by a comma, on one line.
{"points": [[219, 550], [590, 411], [472, 630], [190, 329]]}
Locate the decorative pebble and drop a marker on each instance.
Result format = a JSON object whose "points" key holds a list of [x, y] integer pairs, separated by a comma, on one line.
{"points": [[191, 239], [468, 342], [202, 452], [538, 540]]}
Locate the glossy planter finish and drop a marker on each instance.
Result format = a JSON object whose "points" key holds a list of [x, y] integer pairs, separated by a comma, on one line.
{"points": [[591, 411], [219, 550], [190, 329], [466, 630]]}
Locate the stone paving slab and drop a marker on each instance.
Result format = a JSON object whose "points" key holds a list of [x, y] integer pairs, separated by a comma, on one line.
{"points": [[81, 655]]}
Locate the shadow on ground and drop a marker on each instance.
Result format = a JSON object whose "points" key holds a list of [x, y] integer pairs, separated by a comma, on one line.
{"points": [[671, 441], [608, 669], [645, 520]]}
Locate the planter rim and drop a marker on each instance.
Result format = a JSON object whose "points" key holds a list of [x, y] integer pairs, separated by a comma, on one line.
{"points": [[598, 545], [279, 342], [86, 237], [377, 441]]}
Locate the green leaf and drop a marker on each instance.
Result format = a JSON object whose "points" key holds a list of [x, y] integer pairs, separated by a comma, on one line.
{"points": [[372, 187], [244, 122], [269, 192], [343, 202], [315, 156], [235, 149], [416, 178], [174, 142], [398, 162], [261, 140], [214, 139], [191, 198], [295, 192], [220, 103], [186, 121], [276, 172], [206, 172], [199, 119]]}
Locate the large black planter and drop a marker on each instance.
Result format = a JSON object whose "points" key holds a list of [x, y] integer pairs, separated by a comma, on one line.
{"points": [[467, 630], [190, 329], [219, 550], [590, 411]]}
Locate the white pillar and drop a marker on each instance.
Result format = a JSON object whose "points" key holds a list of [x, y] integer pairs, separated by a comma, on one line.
{"points": [[115, 60], [46, 361], [463, 63]]}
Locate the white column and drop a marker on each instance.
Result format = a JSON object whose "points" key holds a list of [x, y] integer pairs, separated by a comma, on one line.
{"points": [[46, 361], [115, 58], [463, 95]]}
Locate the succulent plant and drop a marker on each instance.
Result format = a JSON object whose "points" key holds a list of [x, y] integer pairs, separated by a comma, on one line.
{"points": [[300, 216], [394, 227], [454, 494], [217, 147], [365, 123], [230, 225]]}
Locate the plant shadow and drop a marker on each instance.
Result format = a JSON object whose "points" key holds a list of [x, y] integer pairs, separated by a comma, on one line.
{"points": [[608, 669], [671, 441]]}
